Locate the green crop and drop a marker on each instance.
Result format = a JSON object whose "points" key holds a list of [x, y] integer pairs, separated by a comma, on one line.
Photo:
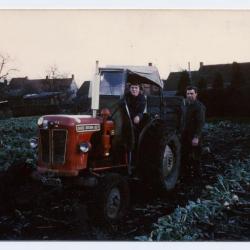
{"points": [[14, 140], [186, 223]]}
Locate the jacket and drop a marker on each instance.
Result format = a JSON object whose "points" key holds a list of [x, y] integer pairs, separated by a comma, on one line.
{"points": [[194, 119], [136, 105]]}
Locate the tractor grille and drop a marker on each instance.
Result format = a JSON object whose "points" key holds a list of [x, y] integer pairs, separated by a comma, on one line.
{"points": [[59, 146], [45, 145], [53, 146]]}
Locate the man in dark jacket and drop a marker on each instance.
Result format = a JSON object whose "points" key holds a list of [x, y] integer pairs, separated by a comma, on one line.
{"points": [[194, 119], [136, 103]]}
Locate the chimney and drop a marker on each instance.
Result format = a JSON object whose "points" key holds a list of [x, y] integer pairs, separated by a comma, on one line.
{"points": [[72, 76], [47, 77], [150, 64], [201, 64]]}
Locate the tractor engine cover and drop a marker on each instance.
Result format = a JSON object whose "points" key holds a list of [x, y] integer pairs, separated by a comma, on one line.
{"points": [[64, 143]]}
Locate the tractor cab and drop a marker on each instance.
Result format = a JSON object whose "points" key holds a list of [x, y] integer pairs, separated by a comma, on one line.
{"points": [[114, 86], [114, 82]]}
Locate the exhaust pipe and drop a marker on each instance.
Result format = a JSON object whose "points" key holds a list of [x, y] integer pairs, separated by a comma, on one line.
{"points": [[95, 91]]}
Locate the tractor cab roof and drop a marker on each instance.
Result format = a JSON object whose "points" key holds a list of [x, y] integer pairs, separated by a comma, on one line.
{"points": [[145, 74]]}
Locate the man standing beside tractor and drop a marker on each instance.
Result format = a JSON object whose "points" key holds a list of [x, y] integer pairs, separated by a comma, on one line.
{"points": [[194, 119]]}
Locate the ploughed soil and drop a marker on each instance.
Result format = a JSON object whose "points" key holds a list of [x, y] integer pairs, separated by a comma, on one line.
{"points": [[31, 211]]}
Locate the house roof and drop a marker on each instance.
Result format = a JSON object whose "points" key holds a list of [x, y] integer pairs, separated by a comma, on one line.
{"points": [[171, 84], [84, 89], [22, 86], [208, 72], [195, 76]]}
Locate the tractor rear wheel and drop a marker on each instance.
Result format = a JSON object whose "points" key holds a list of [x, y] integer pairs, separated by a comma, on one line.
{"points": [[168, 162], [159, 157]]}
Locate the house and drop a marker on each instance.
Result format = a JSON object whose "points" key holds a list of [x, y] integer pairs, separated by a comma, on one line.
{"points": [[225, 70], [84, 89], [20, 89], [40, 96], [82, 100], [207, 73], [3, 90], [171, 84]]}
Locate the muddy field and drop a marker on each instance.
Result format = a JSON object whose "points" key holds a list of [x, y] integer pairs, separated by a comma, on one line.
{"points": [[30, 211]]}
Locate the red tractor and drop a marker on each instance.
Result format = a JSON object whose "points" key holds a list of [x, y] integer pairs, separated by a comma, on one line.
{"points": [[99, 151]]}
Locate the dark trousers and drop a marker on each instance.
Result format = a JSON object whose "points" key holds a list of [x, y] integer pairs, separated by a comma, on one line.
{"points": [[191, 159]]}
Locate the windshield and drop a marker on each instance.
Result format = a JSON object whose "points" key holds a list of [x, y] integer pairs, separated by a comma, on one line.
{"points": [[112, 83]]}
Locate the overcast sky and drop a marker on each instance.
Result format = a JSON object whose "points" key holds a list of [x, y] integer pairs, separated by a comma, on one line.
{"points": [[74, 39]]}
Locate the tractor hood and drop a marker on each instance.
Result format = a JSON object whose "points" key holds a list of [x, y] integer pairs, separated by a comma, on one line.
{"points": [[82, 123]]}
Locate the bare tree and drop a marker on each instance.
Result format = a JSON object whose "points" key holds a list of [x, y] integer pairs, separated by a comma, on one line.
{"points": [[54, 73], [5, 70]]}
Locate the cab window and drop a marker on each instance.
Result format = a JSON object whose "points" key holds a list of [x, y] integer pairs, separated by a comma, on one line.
{"points": [[112, 83], [150, 90]]}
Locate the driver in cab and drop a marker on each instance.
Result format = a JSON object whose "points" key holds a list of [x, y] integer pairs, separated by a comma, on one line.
{"points": [[136, 103]]}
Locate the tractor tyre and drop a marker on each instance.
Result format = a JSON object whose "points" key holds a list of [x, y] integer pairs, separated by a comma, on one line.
{"points": [[112, 201], [168, 162], [173, 112], [160, 158]]}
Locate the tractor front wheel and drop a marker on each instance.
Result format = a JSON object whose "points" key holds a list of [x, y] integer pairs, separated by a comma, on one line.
{"points": [[112, 199]]}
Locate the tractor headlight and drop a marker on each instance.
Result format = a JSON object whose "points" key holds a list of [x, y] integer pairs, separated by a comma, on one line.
{"points": [[84, 147], [33, 143], [40, 121], [45, 124]]}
